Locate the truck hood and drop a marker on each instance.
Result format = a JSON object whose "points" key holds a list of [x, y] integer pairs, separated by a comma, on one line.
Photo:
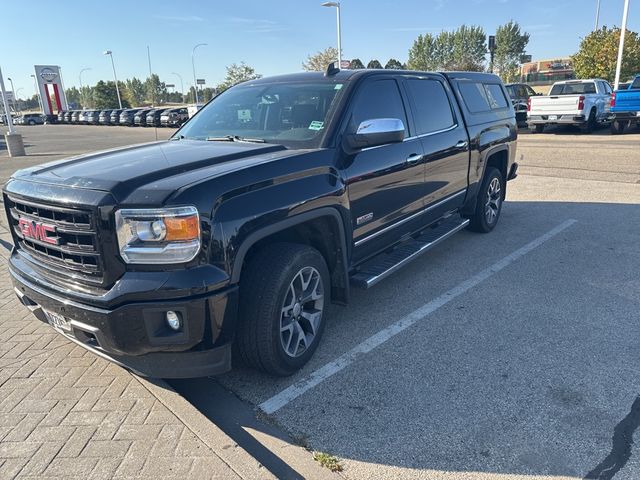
{"points": [[122, 171]]}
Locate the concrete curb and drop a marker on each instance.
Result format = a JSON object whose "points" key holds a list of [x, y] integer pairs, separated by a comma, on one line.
{"points": [[238, 460]]}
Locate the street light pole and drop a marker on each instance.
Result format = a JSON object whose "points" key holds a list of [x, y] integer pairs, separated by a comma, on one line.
{"points": [[13, 92], [193, 65], [15, 98], [181, 84], [623, 30], [35, 85], [110, 53], [81, 86], [337, 7], [597, 16]]}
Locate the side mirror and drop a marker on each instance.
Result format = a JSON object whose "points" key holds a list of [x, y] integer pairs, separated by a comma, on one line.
{"points": [[375, 132]]}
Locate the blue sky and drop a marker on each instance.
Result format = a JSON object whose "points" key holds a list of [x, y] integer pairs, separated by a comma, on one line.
{"points": [[274, 36]]}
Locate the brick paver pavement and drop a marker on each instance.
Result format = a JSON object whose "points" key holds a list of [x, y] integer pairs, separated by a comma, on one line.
{"points": [[65, 413]]}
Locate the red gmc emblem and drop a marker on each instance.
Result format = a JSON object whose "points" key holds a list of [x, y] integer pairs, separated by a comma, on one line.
{"points": [[38, 231]]}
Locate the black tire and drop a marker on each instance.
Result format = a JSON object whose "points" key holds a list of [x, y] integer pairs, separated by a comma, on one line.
{"points": [[617, 127], [481, 221], [537, 128], [32, 122], [264, 289], [590, 126]]}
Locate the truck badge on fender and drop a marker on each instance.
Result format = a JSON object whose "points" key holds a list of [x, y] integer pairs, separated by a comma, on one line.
{"points": [[364, 218]]}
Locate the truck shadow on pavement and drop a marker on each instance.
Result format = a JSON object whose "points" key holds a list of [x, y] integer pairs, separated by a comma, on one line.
{"points": [[528, 373]]}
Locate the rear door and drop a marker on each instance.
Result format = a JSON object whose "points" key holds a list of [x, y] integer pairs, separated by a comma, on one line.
{"points": [[385, 183], [445, 143]]}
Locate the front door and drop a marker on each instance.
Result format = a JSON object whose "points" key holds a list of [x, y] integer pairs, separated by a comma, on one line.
{"points": [[385, 183]]}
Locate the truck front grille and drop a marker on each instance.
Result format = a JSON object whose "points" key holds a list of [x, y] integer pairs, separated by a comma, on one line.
{"points": [[76, 251]]}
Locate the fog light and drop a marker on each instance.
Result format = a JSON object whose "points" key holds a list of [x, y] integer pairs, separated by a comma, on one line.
{"points": [[173, 320]]}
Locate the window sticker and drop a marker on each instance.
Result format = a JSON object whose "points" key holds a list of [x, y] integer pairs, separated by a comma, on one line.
{"points": [[316, 125], [244, 115], [338, 86]]}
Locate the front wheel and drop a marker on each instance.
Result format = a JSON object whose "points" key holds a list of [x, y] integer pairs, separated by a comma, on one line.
{"points": [[283, 294], [489, 204]]}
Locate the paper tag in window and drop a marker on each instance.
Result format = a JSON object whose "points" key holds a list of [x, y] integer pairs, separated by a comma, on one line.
{"points": [[316, 125], [244, 115]]}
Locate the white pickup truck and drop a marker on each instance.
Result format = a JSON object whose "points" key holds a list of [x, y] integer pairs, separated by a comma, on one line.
{"points": [[585, 103]]}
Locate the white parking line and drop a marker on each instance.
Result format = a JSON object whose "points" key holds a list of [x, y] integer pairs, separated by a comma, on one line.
{"points": [[292, 392]]}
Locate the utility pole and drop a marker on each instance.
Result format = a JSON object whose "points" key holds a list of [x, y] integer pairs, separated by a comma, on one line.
{"points": [[113, 65], [193, 66], [597, 16], [336, 5], [153, 94], [623, 31], [35, 85], [181, 84], [14, 142], [492, 51]]}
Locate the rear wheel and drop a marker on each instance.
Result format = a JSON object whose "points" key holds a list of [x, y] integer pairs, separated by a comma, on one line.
{"points": [[489, 204], [590, 126], [283, 295], [617, 127], [537, 129]]}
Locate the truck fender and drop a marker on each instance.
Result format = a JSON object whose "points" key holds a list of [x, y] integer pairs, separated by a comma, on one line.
{"points": [[340, 290], [472, 193]]}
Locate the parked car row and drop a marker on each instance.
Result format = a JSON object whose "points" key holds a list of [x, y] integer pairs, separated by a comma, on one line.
{"points": [[26, 119], [143, 117]]}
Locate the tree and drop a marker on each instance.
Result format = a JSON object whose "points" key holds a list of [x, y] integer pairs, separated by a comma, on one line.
{"points": [[510, 46], [598, 53], [423, 55], [86, 97], [105, 96], [374, 64], [134, 91], [155, 90], [356, 64], [237, 73], [320, 60], [394, 64], [73, 95], [469, 49], [462, 49]]}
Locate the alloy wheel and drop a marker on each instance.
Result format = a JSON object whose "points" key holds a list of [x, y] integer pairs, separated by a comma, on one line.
{"points": [[301, 312], [494, 199]]}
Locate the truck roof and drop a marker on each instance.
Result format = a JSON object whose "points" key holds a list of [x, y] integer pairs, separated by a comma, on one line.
{"points": [[348, 75], [584, 80]]}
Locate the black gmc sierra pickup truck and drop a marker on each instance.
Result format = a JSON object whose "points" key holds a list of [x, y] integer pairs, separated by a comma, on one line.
{"points": [[275, 199]]}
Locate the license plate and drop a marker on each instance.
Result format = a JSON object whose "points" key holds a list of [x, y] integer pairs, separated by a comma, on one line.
{"points": [[553, 117], [57, 321]]}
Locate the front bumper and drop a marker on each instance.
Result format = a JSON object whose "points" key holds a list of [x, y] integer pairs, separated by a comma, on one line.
{"points": [[134, 333]]}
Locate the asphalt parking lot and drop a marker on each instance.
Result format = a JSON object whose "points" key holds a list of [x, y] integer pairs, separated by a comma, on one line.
{"points": [[506, 355]]}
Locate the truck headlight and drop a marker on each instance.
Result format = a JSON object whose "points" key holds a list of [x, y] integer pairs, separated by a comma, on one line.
{"points": [[158, 235]]}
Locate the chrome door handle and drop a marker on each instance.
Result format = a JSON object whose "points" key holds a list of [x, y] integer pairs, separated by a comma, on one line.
{"points": [[414, 158], [462, 144]]}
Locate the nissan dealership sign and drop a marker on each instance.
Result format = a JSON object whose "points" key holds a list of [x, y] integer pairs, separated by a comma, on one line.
{"points": [[48, 74], [50, 89]]}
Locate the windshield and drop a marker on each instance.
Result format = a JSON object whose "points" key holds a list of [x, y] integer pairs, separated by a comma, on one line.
{"points": [[573, 89], [291, 114]]}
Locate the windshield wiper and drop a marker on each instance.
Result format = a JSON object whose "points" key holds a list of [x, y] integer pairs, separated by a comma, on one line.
{"points": [[235, 138]]}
